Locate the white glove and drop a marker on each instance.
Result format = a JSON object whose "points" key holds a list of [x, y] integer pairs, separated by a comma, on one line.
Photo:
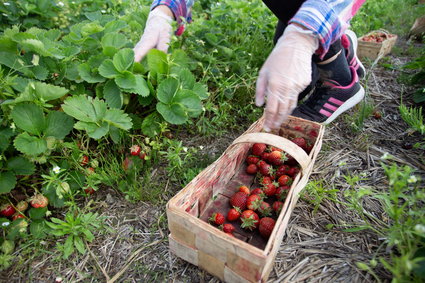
{"points": [[286, 73], [157, 34]]}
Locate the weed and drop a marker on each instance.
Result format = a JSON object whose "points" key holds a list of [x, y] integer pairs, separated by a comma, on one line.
{"points": [[413, 117], [317, 191]]}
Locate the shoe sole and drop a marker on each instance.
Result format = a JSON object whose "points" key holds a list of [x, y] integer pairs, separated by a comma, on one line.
{"points": [[353, 37], [350, 103]]}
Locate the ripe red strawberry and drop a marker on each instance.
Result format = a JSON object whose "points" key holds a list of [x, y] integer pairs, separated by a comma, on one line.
{"points": [[258, 148], [7, 210], [300, 142], [252, 169], [266, 226], [291, 160], [257, 191], [89, 190], [309, 147], [233, 214], [228, 228], [266, 169], [265, 180], [313, 134], [298, 128], [252, 159], [272, 148], [293, 171], [281, 192], [282, 170], [270, 189], [84, 160], [142, 155], [135, 150], [277, 158], [217, 218], [38, 201], [244, 189], [250, 219], [90, 171], [265, 156], [17, 215], [284, 180], [239, 200], [265, 209], [277, 206], [253, 202]]}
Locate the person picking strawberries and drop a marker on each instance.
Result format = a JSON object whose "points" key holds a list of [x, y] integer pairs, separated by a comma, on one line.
{"points": [[313, 63]]}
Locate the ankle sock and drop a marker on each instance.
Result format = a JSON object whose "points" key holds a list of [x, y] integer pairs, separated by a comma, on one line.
{"points": [[338, 70]]}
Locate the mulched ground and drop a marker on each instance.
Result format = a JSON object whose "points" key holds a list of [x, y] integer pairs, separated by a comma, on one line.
{"points": [[136, 249]]}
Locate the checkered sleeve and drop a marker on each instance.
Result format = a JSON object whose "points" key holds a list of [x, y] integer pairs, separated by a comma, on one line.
{"points": [[328, 19], [181, 8]]}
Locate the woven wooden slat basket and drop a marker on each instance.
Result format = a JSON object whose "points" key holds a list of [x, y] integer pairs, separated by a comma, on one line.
{"points": [[241, 258], [373, 50]]}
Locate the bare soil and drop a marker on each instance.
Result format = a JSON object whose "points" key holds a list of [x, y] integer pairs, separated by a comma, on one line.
{"points": [[136, 248]]}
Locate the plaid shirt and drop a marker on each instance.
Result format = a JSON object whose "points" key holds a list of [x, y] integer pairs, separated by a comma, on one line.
{"points": [[328, 19]]}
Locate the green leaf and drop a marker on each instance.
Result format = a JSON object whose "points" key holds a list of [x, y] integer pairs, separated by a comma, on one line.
{"points": [[38, 229], [200, 90], [35, 45], [29, 117], [123, 59], [114, 133], [37, 213], [91, 28], [47, 92], [88, 234], [30, 145], [151, 125], [126, 80], [189, 99], [167, 89], [12, 61], [20, 166], [141, 86], [186, 78], [5, 135], [84, 70], [94, 131], [115, 26], [180, 58], [112, 95], [68, 247], [40, 73], [108, 70], [117, 40], [172, 113], [157, 62], [59, 125], [118, 118], [79, 244], [7, 182], [84, 108]]}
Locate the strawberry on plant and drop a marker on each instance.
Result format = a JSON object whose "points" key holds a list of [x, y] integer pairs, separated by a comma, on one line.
{"points": [[284, 180], [244, 189], [7, 210], [253, 202], [258, 148], [90, 171], [277, 207], [228, 228], [135, 150], [217, 218], [17, 215], [84, 160], [233, 214], [239, 200], [252, 159], [89, 190], [142, 155], [266, 226], [252, 169], [22, 206], [39, 201], [250, 219]]}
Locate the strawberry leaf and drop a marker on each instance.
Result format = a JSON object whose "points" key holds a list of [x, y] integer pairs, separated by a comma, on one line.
{"points": [[167, 89], [116, 40], [30, 145], [141, 87], [85, 72], [118, 118], [113, 95], [123, 59], [108, 70], [29, 117], [85, 109], [58, 125], [7, 182], [20, 166], [151, 125], [126, 80], [172, 113]]}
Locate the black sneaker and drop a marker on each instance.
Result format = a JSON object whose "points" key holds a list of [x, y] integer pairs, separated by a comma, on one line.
{"points": [[349, 42], [330, 100]]}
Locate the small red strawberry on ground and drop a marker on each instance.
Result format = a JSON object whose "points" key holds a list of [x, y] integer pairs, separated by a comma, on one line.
{"points": [[253, 202], [228, 228], [265, 209], [257, 191], [89, 190], [258, 148], [7, 210], [251, 169], [135, 150], [239, 200], [244, 189], [270, 189], [266, 226], [84, 160], [277, 158], [250, 219], [39, 201], [233, 214], [217, 218], [252, 159], [301, 142], [284, 180], [277, 207]]}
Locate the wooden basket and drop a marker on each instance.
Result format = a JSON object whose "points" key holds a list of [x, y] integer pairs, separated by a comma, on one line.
{"points": [[373, 50], [236, 259]]}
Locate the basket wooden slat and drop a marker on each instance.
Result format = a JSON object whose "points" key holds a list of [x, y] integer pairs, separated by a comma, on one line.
{"points": [[244, 258]]}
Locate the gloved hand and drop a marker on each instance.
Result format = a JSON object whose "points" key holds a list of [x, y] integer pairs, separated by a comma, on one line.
{"points": [[286, 73], [157, 33]]}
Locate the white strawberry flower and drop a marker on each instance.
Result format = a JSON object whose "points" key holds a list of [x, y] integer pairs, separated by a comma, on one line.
{"points": [[5, 224], [56, 169]]}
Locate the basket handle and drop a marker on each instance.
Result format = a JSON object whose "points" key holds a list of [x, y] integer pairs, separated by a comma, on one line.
{"points": [[280, 142]]}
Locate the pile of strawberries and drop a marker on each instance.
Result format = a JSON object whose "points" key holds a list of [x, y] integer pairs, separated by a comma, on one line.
{"points": [[259, 208]]}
